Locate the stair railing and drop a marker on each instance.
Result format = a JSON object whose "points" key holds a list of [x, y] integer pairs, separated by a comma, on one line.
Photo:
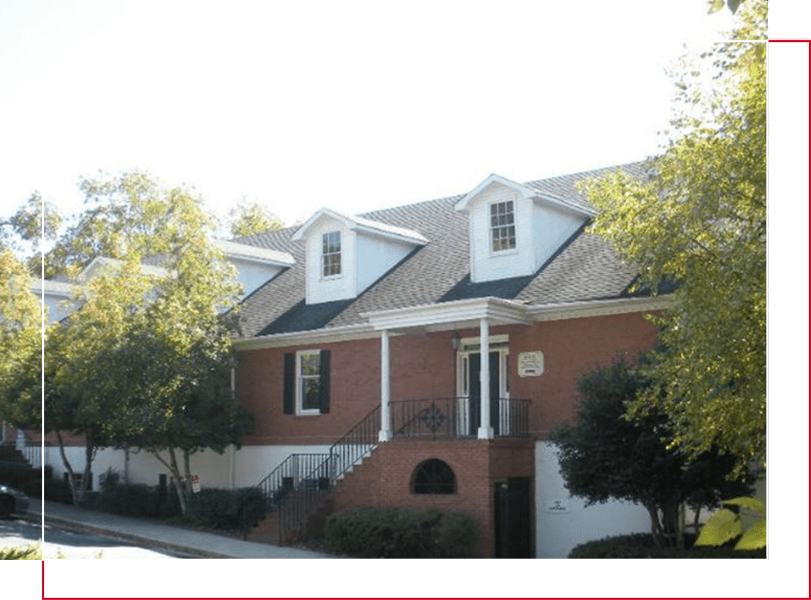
{"points": [[297, 487]]}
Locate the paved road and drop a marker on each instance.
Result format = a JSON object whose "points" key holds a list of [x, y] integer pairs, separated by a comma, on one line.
{"points": [[17, 532], [61, 543]]}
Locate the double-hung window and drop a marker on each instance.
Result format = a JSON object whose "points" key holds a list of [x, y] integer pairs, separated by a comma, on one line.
{"points": [[331, 254], [502, 225], [306, 382]]}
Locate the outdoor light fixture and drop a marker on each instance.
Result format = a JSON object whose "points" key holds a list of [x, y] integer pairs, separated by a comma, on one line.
{"points": [[455, 340]]}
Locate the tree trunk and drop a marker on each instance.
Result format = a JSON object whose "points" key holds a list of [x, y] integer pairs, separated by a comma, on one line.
{"points": [[180, 483], [66, 462], [175, 472], [656, 525]]}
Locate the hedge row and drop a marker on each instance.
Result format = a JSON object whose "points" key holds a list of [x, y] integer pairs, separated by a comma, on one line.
{"points": [[392, 533], [212, 508], [641, 545]]}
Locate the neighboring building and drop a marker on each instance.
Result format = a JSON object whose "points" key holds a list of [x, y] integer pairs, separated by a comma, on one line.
{"points": [[364, 337]]}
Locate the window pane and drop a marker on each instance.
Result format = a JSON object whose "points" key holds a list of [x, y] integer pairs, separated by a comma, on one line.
{"points": [[310, 393], [331, 253], [310, 364], [502, 225]]}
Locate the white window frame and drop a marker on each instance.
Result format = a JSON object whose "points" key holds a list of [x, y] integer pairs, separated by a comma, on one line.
{"points": [[339, 254], [493, 228], [300, 410]]}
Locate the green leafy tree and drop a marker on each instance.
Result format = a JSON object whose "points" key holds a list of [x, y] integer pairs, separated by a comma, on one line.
{"points": [[35, 223], [144, 360], [21, 342], [700, 219], [179, 348], [249, 218], [604, 456], [85, 379]]}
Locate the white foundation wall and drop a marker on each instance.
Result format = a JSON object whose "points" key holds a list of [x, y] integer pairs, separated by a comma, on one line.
{"points": [[233, 468], [563, 521]]}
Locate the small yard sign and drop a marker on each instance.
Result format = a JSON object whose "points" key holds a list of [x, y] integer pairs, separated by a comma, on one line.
{"points": [[195, 484]]}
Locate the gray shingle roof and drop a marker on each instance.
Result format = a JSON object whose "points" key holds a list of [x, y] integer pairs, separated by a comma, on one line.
{"points": [[583, 269]]}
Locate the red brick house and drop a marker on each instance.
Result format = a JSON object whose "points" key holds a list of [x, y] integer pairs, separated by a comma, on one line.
{"points": [[362, 360]]}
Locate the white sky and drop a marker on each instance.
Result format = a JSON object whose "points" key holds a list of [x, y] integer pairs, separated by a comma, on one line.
{"points": [[351, 105]]}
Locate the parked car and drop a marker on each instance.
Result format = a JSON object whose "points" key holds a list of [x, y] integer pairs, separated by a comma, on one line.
{"points": [[11, 501]]}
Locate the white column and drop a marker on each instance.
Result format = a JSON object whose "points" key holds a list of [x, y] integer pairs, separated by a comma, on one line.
{"points": [[385, 388], [485, 430]]}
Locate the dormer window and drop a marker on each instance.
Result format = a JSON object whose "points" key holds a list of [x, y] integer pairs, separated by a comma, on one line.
{"points": [[331, 254], [502, 225]]}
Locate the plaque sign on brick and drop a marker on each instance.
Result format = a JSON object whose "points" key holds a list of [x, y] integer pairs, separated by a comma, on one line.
{"points": [[530, 364]]}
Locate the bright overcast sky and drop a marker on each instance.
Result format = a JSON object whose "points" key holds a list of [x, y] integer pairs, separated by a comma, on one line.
{"points": [[351, 105]]}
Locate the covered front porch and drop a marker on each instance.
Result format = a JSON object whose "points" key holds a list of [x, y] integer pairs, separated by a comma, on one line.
{"points": [[483, 407]]}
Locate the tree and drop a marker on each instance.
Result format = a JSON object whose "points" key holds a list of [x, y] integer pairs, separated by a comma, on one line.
{"points": [[604, 456], [24, 232], [20, 340], [143, 361], [249, 218], [179, 394], [85, 375], [700, 219]]}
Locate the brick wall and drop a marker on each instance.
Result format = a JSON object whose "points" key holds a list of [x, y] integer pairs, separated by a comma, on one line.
{"points": [[424, 366], [385, 479]]}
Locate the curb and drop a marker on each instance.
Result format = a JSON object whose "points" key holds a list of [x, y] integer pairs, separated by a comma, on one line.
{"points": [[142, 541]]}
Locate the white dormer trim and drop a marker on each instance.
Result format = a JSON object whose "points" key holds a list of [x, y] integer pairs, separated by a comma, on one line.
{"points": [[361, 225], [522, 190], [463, 204]]}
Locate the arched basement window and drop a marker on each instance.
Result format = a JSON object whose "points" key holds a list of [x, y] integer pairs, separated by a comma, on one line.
{"points": [[434, 477]]}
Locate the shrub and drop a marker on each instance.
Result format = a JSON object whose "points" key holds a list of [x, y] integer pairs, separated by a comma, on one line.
{"points": [[392, 533], [16, 476], [57, 490], [641, 545], [128, 499], [227, 509]]}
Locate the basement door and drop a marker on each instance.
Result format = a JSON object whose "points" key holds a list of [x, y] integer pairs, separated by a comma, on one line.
{"points": [[513, 518]]}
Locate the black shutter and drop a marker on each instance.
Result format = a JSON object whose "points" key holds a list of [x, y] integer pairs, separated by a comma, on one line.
{"points": [[289, 384], [324, 381]]}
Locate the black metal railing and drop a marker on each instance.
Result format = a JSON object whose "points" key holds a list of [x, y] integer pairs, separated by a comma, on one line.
{"points": [[356, 444], [297, 487], [447, 418]]}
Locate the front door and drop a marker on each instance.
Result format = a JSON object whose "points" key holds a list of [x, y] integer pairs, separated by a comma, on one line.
{"points": [[475, 396]]}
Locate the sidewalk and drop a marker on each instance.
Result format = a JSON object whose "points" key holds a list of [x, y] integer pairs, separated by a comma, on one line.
{"points": [[156, 535]]}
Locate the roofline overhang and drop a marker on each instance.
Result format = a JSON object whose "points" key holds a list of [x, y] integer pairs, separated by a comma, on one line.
{"points": [[312, 336], [597, 308], [457, 315], [255, 254]]}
